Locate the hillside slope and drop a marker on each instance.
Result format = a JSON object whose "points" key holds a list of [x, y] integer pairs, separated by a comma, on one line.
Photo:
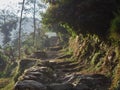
{"points": [[97, 57]]}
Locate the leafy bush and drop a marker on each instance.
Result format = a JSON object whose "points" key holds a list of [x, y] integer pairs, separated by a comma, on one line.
{"points": [[115, 28], [117, 86], [95, 58], [70, 30], [84, 16]]}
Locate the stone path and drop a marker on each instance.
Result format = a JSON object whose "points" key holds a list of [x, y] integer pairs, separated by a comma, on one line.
{"points": [[59, 74]]}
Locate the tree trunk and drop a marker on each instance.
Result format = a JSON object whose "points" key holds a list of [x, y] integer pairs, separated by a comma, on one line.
{"points": [[20, 24], [34, 22]]}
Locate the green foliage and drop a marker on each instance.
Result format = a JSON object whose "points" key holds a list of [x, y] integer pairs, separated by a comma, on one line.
{"points": [[70, 30], [117, 87], [3, 57], [95, 58], [7, 81], [115, 28], [3, 63], [8, 22], [55, 16], [9, 85], [116, 78], [81, 16], [9, 52], [3, 82], [68, 51], [10, 70]]}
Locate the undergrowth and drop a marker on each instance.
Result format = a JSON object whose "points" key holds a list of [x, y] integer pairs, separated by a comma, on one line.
{"points": [[115, 28]]}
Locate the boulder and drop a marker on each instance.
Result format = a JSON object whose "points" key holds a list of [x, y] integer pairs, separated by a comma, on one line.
{"points": [[39, 74], [92, 82], [82, 86], [60, 86], [29, 85]]}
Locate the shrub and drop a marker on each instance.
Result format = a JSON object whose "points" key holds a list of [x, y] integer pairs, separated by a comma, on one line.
{"points": [[70, 30], [115, 28]]}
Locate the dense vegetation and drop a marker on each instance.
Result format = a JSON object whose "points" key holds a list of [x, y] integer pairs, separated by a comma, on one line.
{"points": [[84, 16]]}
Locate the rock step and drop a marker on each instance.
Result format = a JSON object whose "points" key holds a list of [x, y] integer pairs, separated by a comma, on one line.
{"points": [[71, 65], [55, 48], [85, 82], [54, 62], [59, 74], [61, 63], [66, 66], [39, 74], [29, 85], [64, 56], [38, 55], [68, 70]]}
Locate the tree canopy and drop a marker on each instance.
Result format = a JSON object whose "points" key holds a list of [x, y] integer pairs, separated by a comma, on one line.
{"points": [[82, 16], [8, 22]]}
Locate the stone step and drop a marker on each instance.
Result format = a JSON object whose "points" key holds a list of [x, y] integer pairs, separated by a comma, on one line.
{"points": [[61, 63], [70, 70], [70, 65]]}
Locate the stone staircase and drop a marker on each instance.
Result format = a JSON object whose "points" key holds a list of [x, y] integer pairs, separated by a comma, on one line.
{"points": [[60, 74]]}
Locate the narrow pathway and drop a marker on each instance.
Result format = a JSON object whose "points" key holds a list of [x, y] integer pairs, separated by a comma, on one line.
{"points": [[57, 73]]}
